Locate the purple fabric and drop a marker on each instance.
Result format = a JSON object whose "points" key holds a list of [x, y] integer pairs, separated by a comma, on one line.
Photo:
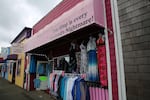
{"points": [[97, 93], [106, 95], [100, 95], [94, 93], [12, 57], [103, 94]]}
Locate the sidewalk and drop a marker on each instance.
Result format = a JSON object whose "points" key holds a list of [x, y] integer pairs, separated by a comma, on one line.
{"points": [[9, 91]]}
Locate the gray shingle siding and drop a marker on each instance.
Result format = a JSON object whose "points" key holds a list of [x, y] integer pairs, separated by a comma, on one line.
{"points": [[134, 16]]}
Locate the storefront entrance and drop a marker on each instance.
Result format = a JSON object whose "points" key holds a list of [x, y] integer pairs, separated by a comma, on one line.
{"points": [[14, 72]]}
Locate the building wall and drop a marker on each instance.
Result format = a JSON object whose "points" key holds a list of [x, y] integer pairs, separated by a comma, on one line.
{"points": [[19, 79], [5, 51], [10, 77], [134, 16], [9, 74], [17, 48]]}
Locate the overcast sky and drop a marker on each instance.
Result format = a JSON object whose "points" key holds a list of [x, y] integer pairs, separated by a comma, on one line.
{"points": [[16, 14]]}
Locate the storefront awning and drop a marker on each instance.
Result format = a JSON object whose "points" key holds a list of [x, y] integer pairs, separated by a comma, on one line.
{"points": [[81, 15], [2, 60], [12, 57]]}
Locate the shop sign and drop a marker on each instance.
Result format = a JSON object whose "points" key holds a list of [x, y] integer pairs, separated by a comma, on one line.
{"points": [[80, 16], [73, 24], [5, 51], [17, 48]]}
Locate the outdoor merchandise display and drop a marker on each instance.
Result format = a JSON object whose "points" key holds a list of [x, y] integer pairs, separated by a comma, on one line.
{"points": [[90, 83], [79, 75], [36, 73], [72, 58], [83, 62], [78, 45], [74, 87], [102, 63], [92, 73]]}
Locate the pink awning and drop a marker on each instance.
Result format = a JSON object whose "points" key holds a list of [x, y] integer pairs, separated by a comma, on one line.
{"points": [[81, 15]]}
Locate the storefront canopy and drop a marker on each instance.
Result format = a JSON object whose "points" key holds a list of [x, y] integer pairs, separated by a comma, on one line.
{"points": [[2, 60], [83, 14], [12, 57]]}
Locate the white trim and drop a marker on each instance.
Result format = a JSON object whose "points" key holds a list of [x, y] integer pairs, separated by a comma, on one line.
{"points": [[108, 56], [108, 67], [42, 55], [118, 51]]}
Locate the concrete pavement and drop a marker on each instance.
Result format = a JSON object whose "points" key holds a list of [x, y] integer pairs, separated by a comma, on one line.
{"points": [[9, 91]]}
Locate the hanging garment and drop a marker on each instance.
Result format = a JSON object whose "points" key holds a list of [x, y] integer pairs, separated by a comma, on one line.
{"points": [[40, 69], [65, 88], [87, 92], [78, 57], [106, 95], [59, 86], [56, 83], [97, 94], [32, 65], [70, 85], [102, 63], [64, 65], [62, 88], [48, 82], [27, 81], [36, 83], [31, 84], [76, 91], [103, 94], [92, 73], [84, 91], [52, 78], [91, 95], [27, 67], [100, 93], [72, 60], [94, 93], [83, 66]]}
